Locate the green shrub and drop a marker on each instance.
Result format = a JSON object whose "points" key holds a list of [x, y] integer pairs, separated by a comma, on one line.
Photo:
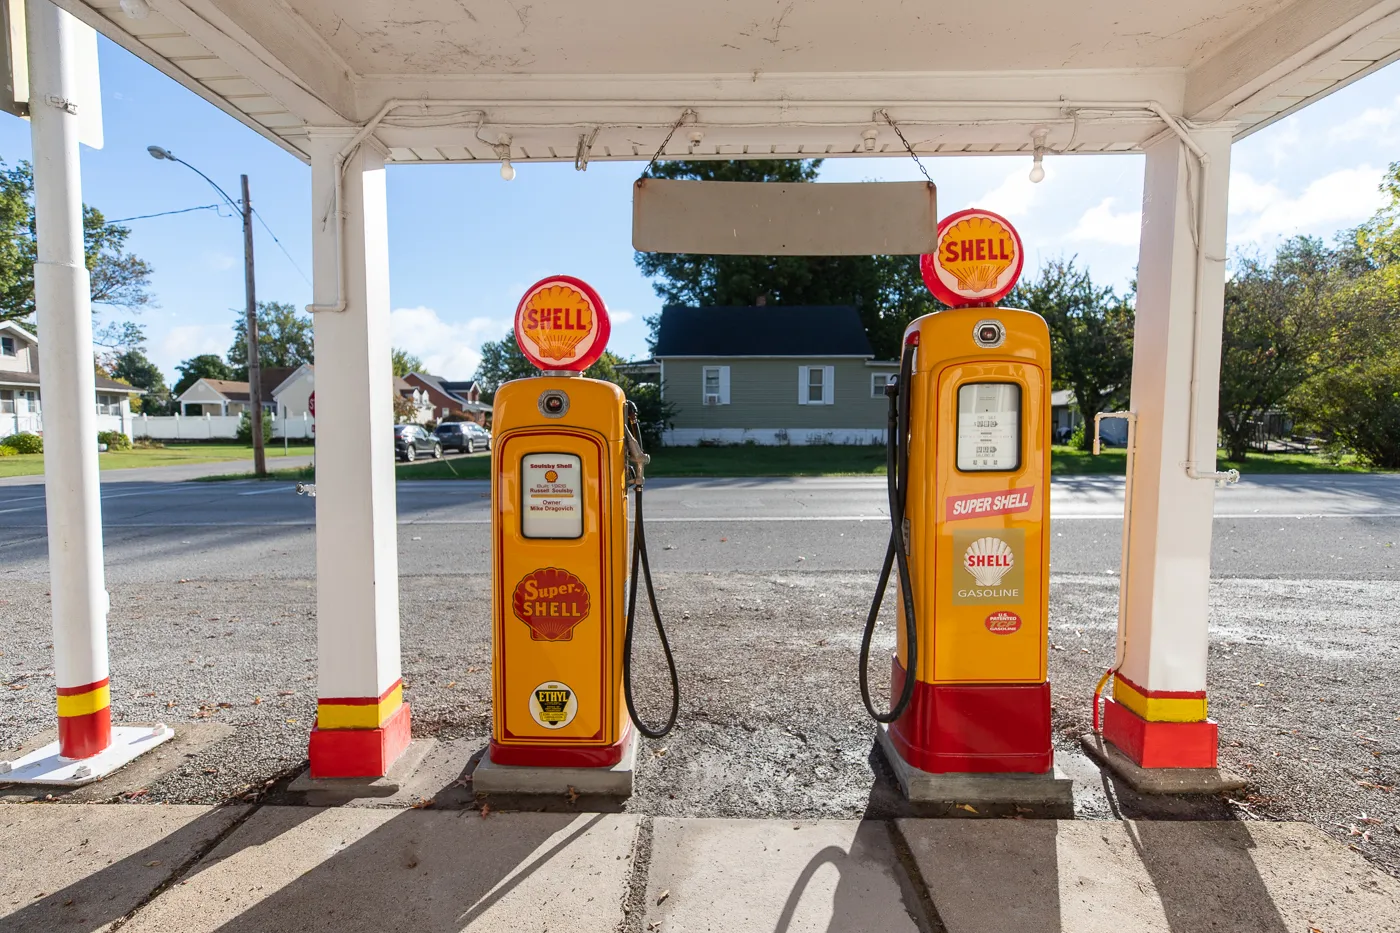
{"points": [[115, 440], [8, 451], [245, 427], [25, 443], [1077, 438]]}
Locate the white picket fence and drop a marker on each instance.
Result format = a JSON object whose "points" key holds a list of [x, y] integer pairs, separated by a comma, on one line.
{"points": [[213, 427], [33, 423]]}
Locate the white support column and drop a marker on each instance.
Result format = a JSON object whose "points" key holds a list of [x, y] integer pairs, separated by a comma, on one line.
{"points": [[362, 722], [61, 291], [1159, 718]]}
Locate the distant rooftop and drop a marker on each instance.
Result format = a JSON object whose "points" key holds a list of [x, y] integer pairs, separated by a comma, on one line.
{"points": [[802, 330]]}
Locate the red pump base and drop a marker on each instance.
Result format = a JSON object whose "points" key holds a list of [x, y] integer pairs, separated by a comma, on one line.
{"points": [[353, 753], [554, 756], [973, 728]]}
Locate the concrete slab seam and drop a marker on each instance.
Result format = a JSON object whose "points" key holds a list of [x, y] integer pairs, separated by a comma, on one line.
{"points": [[184, 868], [912, 883], [634, 903]]}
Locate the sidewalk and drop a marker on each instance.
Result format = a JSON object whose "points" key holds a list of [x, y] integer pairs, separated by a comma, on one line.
{"points": [[249, 869]]}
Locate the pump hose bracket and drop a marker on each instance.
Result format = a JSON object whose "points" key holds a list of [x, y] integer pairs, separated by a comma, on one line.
{"points": [[637, 459]]}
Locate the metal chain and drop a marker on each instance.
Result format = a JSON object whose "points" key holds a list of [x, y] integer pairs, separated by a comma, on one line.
{"points": [[687, 113], [910, 149]]}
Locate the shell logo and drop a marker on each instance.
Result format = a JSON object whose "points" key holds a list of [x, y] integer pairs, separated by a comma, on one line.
{"points": [[561, 324], [551, 602], [988, 560], [978, 260]]}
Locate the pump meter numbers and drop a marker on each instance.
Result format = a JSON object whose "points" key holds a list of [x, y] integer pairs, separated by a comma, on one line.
{"points": [[989, 427]]}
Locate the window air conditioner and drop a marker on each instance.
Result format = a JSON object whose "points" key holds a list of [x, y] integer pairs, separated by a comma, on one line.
{"points": [[711, 398]]}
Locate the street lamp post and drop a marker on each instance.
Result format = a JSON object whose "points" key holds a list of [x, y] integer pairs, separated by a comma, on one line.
{"points": [[245, 208]]}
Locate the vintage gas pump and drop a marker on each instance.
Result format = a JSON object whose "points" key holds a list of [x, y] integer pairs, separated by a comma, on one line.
{"points": [[969, 451], [565, 451]]}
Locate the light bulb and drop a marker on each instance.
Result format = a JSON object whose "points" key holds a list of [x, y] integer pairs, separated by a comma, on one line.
{"points": [[507, 170], [1037, 170]]}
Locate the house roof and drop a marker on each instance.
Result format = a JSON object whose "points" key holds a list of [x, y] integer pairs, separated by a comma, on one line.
{"points": [[802, 330], [439, 385], [31, 380], [236, 390], [459, 387], [231, 389]]}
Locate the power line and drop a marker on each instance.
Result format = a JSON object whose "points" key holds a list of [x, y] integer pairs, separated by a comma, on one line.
{"points": [[183, 210], [281, 247]]}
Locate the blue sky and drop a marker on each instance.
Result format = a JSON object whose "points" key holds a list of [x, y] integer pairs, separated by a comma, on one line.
{"points": [[464, 244]]}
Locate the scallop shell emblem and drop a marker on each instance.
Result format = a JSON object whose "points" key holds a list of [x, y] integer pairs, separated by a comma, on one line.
{"points": [[999, 253], [988, 560], [563, 319]]}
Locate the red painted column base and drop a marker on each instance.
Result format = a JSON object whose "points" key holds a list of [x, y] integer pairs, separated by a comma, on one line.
{"points": [[974, 728], [86, 735], [353, 753], [562, 756], [1161, 744]]}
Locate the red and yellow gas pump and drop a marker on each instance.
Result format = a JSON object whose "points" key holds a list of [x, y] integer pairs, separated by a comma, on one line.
{"points": [[969, 458], [565, 452]]}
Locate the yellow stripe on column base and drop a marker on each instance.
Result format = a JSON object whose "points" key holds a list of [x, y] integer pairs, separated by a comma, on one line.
{"points": [[84, 704], [1160, 705], [366, 714]]}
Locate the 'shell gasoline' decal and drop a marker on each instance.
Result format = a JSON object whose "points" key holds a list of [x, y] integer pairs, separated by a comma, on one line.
{"points": [[989, 566], [551, 602], [982, 504]]}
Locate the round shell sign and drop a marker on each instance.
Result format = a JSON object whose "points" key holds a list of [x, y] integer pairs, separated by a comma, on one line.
{"points": [[561, 324], [978, 261]]}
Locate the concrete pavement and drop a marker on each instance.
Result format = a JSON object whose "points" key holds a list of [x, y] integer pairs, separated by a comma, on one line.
{"points": [[186, 869]]}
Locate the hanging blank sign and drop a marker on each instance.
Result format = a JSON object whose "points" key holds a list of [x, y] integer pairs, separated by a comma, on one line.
{"points": [[736, 218]]}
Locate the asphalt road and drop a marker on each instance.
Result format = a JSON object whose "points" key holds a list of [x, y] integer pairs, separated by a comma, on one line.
{"points": [[764, 584], [1343, 527]]}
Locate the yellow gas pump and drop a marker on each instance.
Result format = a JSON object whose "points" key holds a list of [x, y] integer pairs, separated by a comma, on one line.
{"points": [[565, 451], [969, 456]]}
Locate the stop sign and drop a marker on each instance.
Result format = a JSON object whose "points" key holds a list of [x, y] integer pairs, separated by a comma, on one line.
{"points": [[311, 404]]}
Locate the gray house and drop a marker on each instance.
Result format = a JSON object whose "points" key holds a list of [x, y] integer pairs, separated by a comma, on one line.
{"points": [[771, 375]]}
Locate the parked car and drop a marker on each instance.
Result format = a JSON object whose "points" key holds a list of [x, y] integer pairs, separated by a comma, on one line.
{"points": [[411, 440], [466, 436]]}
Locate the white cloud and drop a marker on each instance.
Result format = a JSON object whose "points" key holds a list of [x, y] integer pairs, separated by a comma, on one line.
{"points": [[1368, 124], [186, 340], [1102, 224], [1346, 196], [1016, 195], [447, 348], [219, 262], [620, 317]]}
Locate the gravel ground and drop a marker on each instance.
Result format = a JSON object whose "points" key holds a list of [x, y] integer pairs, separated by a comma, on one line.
{"points": [[1302, 681]]}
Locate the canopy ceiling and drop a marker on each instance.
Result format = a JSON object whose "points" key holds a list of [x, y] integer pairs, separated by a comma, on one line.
{"points": [[561, 80]]}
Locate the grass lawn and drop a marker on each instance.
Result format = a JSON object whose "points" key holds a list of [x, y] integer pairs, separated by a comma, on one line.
{"points": [[169, 455], [829, 461]]}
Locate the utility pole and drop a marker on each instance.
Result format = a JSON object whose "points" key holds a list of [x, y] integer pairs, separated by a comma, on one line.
{"points": [[245, 209], [254, 365]]}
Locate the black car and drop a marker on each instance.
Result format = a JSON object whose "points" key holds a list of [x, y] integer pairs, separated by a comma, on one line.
{"points": [[411, 440], [466, 436]]}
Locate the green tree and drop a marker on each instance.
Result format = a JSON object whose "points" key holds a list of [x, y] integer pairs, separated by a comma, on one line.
{"points": [[204, 366], [1281, 328], [886, 290], [117, 277], [403, 361], [1091, 335], [284, 338], [501, 361], [135, 369]]}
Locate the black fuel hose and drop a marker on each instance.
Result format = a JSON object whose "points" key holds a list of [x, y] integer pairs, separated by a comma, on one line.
{"points": [[641, 565], [897, 486]]}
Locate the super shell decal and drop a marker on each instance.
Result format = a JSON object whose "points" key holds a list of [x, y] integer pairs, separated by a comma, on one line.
{"points": [[561, 324], [978, 260], [551, 602]]}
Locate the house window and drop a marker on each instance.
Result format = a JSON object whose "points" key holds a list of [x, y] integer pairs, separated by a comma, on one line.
{"points": [[715, 385], [7, 346], [815, 385], [878, 381], [32, 398]]}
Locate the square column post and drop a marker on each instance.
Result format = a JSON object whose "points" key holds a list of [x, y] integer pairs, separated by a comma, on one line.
{"points": [[1158, 713], [362, 723]]}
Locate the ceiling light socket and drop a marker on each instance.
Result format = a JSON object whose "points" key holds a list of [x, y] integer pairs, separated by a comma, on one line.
{"points": [[136, 9], [870, 138]]}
